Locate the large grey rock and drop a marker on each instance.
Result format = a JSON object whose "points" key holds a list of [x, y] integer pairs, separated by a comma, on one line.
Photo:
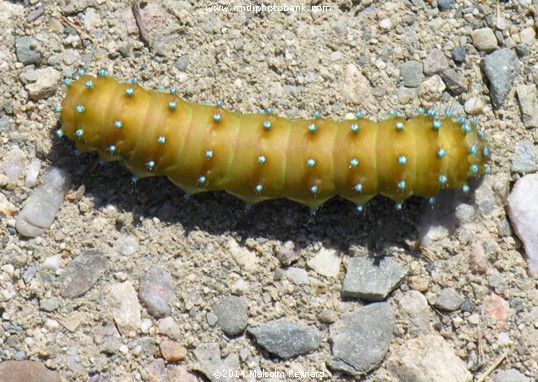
{"points": [[528, 104], [525, 158], [361, 339], [523, 210], [501, 68], [157, 291], [286, 339], [371, 278], [82, 273], [27, 49], [231, 312]]}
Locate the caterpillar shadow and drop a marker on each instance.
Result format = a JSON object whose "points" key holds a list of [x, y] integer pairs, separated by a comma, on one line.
{"points": [[337, 223]]}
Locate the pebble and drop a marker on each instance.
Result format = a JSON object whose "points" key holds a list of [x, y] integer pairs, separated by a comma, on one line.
{"points": [[49, 304], [528, 36], [326, 262], [232, 315], [435, 62], [44, 202], [157, 291], [522, 50], [385, 24], [124, 306], [427, 358], [415, 310], [46, 84], [432, 89], [464, 212], [209, 362], [528, 104], [525, 157], [412, 74], [182, 62], [286, 339], [91, 19], [7, 209], [406, 95], [501, 68], [13, 165], [245, 258], [70, 56], [82, 273], [510, 375], [127, 245], [298, 276], [459, 54], [32, 173], [26, 371], [169, 327], [523, 210], [287, 253], [34, 14], [361, 339], [28, 50], [370, 278], [172, 351], [449, 300], [445, 4], [484, 39], [474, 106], [455, 82], [356, 86]]}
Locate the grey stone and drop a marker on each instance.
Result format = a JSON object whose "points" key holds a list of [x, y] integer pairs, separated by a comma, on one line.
{"points": [[182, 62], [44, 202], [522, 50], [27, 49], [523, 210], [449, 300], [528, 104], [459, 54], [484, 39], [445, 4], [34, 14], [511, 375], [370, 278], [232, 315], [82, 273], [361, 339], [26, 371], [455, 82], [49, 304], [412, 74], [435, 62], [427, 358], [501, 68], [525, 157], [286, 339], [157, 291], [209, 363]]}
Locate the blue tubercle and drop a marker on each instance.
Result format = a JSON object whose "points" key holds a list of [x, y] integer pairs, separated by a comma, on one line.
{"points": [[398, 206], [79, 133], [118, 124], [359, 208], [68, 81], [161, 139], [217, 117], [314, 189], [81, 72], [173, 90], [219, 103], [474, 168], [354, 127], [150, 164], [432, 201], [58, 109], [89, 84], [209, 154], [261, 159], [401, 185], [112, 148], [473, 149], [311, 162], [172, 105], [129, 92], [436, 124], [267, 125], [259, 188], [312, 128], [443, 179], [441, 153], [432, 113], [134, 179], [402, 160], [354, 162], [465, 188], [466, 128], [102, 73], [317, 114], [399, 126], [80, 109], [421, 111], [59, 133], [202, 179], [358, 187], [359, 114]]}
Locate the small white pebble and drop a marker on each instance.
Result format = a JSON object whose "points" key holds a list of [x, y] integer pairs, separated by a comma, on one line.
{"points": [[52, 324], [145, 325], [52, 263], [474, 319], [124, 349], [9, 269], [385, 24], [474, 106]]}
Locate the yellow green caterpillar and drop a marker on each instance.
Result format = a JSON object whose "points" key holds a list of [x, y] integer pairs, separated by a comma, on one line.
{"points": [[262, 156]]}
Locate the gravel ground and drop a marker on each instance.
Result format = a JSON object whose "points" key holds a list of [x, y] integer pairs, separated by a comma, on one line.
{"points": [[114, 281]]}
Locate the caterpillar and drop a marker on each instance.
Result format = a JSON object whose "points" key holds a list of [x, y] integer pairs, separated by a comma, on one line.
{"points": [[262, 156]]}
